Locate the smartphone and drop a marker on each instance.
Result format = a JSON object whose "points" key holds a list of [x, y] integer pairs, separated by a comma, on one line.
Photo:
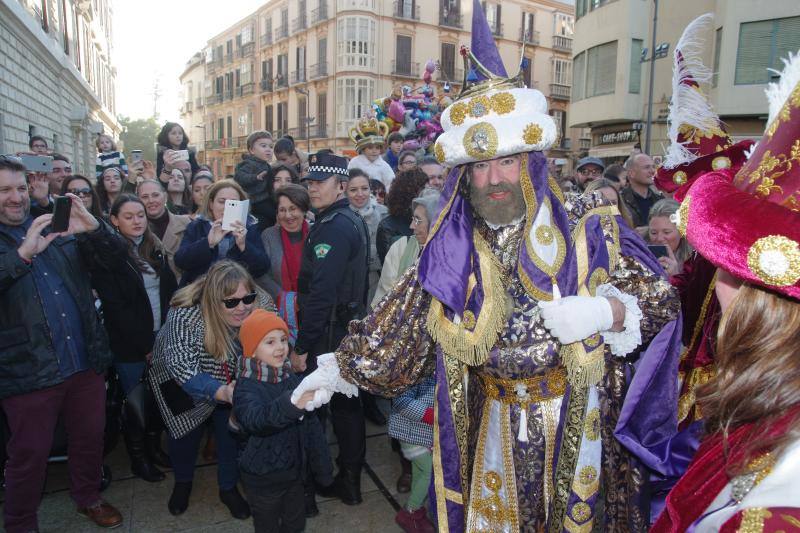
{"points": [[37, 163], [62, 206], [658, 250], [136, 156], [181, 155]]}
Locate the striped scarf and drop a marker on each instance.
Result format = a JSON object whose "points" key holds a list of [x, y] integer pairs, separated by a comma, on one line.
{"points": [[250, 367]]}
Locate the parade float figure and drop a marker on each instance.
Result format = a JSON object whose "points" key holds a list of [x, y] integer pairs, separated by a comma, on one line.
{"points": [[745, 475], [550, 332]]}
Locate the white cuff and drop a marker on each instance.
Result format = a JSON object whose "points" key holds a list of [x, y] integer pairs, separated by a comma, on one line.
{"points": [[623, 342], [327, 363]]}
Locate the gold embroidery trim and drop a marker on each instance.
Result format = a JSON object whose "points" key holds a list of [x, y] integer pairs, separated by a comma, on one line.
{"points": [[480, 141], [532, 134], [550, 385], [775, 260], [503, 103], [472, 347], [550, 425], [438, 470], [455, 372], [753, 520]]}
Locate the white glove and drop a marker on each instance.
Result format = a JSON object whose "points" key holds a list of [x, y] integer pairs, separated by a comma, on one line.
{"points": [[576, 318], [321, 397], [328, 362], [326, 377]]}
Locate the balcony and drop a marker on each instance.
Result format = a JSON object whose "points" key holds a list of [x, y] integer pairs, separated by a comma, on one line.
{"points": [[318, 70], [299, 24], [266, 86], [245, 89], [298, 76], [405, 69], [559, 92], [215, 99], [266, 39], [402, 10], [319, 15], [453, 75], [451, 20], [214, 144], [246, 50], [529, 36], [229, 95], [212, 65], [497, 30], [282, 33], [562, 44], [315, 131], [281, 81], [198, 103]]}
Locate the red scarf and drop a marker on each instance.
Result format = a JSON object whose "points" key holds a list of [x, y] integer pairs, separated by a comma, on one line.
{"points": [[292, 255], [707, 474]]}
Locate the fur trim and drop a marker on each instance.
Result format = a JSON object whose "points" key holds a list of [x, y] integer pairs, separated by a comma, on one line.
{"points": [[778, 92], [689, 106]]}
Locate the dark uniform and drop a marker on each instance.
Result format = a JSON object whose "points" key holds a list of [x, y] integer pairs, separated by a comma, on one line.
{"points": [[332, 290]]}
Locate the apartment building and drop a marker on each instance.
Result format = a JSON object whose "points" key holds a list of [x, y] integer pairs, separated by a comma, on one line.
{"points": [[311, 68], [612, 56], [57, 78], [193, 100]]}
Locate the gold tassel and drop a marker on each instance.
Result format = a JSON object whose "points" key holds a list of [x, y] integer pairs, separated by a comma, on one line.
{"points": [[583, 369]]}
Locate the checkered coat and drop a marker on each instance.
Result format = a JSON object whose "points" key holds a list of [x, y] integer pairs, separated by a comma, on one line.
{"points": [[405, 420]]}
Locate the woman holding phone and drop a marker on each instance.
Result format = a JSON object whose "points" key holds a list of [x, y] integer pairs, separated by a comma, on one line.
{"points": [[81, 187], [662, 231], [206, 242], [173, 138]]}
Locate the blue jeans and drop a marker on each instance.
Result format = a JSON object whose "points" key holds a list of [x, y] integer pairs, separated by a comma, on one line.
{"points": [[183, 451], [129, 374]]}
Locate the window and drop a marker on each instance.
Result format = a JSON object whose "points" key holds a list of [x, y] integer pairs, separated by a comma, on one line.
{"points": [[762, 45], [595, 71], [580, 9], [266, 69], [717, 49], [247, 35], [322, 50], [229, 47], [283, 117], [561, 71], [527, 72], [353, 98], [579, 82], [230, 126], [247, 74], [221, 128], [302, 123], [300, 61], [527, 27], [492, 16], [356, 42], [448, 61], [355, 4], [268, 118], [560, 118], [322, 111], [635, 83], [584, 6], [402, 55], [564, 25]]}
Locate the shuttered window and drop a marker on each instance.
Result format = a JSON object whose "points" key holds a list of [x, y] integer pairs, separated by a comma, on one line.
{"points": [[635, 83], [448, 61], [402, 55], [717, 50], [762, 44], [601, 69]]}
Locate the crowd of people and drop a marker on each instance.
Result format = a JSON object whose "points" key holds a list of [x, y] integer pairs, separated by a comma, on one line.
{"points": [[547, 344]]}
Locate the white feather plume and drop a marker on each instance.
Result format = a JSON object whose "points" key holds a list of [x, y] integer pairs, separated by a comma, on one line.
{"points": [[779, 91], [689, 106]]}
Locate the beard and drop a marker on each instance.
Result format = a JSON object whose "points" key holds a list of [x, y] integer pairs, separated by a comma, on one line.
{"points": [[498, 212]]}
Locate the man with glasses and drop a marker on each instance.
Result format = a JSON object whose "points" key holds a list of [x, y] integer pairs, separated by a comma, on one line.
{"points": [[332, 290], [406, 161], [589, 169]]}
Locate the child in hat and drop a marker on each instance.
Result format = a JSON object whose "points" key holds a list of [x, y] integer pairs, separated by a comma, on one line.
{"points": [[282, 443]]}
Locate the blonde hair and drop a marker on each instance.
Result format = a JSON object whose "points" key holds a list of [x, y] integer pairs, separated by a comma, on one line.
{"points": [[758, 371], [666, 208], [605, 183], [97, 142], [221, 280], [212, 192]]}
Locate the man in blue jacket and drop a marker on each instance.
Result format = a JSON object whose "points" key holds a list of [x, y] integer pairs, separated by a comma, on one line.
{"points": [[53, 354]]}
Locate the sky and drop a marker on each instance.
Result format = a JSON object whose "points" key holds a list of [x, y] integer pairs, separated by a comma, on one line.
{"points": [[154, 39]]}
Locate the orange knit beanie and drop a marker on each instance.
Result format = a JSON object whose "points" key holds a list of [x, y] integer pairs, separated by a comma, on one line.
{"points": [[256, 326]]}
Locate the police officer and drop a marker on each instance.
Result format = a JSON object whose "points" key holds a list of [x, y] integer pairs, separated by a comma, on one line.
{"points": [[332, 290]]}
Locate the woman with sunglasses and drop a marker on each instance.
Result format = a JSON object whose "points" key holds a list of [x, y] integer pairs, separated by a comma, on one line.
{"points": [[130, 273], [81, 187], [194, 366], [205, 242]]}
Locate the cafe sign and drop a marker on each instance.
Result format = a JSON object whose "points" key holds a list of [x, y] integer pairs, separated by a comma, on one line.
{"points": [[618, 137]]}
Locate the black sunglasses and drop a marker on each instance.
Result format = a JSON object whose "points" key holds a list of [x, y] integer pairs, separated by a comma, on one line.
{"points": [[247, 299], [80, 192]]}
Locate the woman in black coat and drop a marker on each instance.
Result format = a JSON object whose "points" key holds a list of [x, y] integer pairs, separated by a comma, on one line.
{"points": [[133, 280]]}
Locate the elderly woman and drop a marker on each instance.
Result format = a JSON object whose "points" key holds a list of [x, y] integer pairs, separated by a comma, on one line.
{"points": [[405, 187], [167, 226], [205, 242], [362, 202], [662, 230], [192, 377]]}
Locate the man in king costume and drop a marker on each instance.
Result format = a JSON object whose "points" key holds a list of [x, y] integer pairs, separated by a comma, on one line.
{"points": [[538, 315]]}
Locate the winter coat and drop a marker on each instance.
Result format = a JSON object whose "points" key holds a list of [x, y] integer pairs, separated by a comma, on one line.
{"points": [[127, 314], [389, 230], [194, 256], [259, 191], [282, 438], [28, 360]]}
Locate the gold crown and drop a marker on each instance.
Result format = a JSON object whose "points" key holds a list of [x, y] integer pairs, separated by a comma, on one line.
{"points": [[369, 130], [492, 81]]}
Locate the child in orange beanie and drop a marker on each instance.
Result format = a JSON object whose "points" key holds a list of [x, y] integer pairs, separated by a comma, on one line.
{"points": [[281, 441]]}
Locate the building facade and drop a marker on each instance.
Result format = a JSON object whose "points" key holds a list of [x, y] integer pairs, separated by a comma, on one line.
{"points": [[312, 68], [612, 55], [57, 78], [193, 103]]}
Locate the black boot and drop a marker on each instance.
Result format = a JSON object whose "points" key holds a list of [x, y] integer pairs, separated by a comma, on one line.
{"points": [[179, 501], [235, 503], [152, 447], [311, 502], [134, 442], [346, 486]]}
